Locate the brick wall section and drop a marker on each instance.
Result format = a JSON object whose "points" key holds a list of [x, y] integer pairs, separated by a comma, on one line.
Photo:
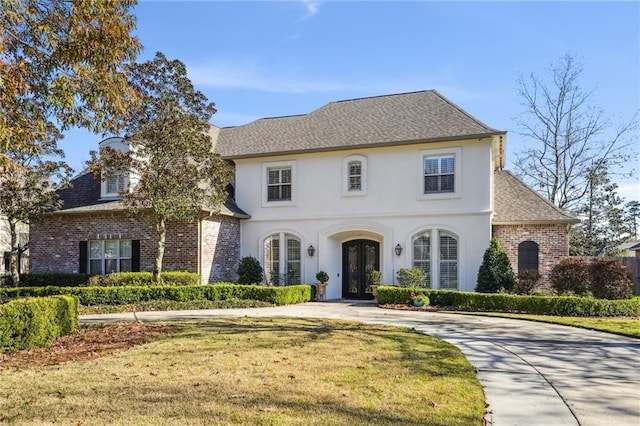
{"points": [[220, 248], [553, 245], [54, 242]]}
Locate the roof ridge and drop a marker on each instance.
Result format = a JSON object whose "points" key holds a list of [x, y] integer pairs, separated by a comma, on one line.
{"points": [[379, 96], [540, 196]]}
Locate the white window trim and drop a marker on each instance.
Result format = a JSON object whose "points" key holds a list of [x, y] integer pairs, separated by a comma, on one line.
{"points": [[294, 183], [363, 176], [434, 262], [457, 174], [102, 258], [282, 254], [113, 195]]}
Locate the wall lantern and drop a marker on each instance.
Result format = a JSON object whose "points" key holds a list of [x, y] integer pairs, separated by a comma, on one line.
{"points": [[311, 251], [398, 250]]}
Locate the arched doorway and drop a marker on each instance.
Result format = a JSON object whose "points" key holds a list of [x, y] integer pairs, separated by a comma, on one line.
{"points": [[359, 257]]}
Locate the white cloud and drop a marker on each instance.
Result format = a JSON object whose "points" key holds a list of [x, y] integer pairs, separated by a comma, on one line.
{"points": [[629, 191], [313, 7]]}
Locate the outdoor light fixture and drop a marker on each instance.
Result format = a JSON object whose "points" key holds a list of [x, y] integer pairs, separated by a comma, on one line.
{"points": [[398, 250], [311, 251]]}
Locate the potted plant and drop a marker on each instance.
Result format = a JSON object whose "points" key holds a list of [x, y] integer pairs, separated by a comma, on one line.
{"points": [[375, 277], [322, 278]]}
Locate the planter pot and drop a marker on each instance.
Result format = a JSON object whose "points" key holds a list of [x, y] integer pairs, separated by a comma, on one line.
{"points": [[320, 290], [374, 289]]}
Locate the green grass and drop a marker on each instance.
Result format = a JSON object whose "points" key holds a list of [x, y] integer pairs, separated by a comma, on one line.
{"points": [[622, 326], [171, 305], [249, 371]]}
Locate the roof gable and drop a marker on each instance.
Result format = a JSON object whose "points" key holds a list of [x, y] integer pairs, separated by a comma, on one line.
{"points": [[376, 121]]}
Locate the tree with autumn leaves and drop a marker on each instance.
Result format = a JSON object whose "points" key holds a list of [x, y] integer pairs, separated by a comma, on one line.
{"points": [[62, 65]]}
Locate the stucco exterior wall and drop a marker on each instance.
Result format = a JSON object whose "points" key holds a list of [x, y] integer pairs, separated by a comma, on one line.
{"points": [[552, 240], [391, 212]]}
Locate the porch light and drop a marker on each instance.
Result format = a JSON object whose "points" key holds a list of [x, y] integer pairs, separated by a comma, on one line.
{"points": [[311, 251], [398, 250]]}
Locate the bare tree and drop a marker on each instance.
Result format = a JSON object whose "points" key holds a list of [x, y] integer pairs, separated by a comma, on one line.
{"points": [[569, 136]]}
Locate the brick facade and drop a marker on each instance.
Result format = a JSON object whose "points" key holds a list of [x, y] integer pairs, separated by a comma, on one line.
{"points": [[552, 240], [54, 242]]}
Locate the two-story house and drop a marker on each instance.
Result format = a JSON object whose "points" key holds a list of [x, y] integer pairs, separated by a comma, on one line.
{"points": [[405, 180]]}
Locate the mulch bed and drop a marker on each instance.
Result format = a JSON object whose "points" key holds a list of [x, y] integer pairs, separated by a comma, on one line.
{"points": [[88, 342]]}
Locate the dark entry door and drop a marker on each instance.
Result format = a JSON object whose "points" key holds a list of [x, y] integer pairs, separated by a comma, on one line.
{"points": [[359, 257]]}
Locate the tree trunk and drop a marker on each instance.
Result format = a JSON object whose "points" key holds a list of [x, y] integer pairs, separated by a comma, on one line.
{"points": [[13, 259], [162, 233]]}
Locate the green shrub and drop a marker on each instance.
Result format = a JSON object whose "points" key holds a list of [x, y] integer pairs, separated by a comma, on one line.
{"points": [[527, 281], [249, 271], [119, 295], [61, 280], [27, 323], [495, 273], [322, 276], [414, 277], [145, 278], [537, 305], [570, 276], [610, 279]]}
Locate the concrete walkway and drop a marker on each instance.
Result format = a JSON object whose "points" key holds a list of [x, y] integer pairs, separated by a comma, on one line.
{"points": [[532, 373]]}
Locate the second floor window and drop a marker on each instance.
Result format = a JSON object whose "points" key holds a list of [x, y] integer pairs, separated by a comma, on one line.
{"points": [[355, 176], [279, 184], [439, 174], [115, 184]]}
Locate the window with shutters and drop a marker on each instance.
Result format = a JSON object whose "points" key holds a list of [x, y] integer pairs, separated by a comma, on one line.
{"points": [[448, 248], [107, 256], [435, 251], [440, 173], [422, 254], [528, 256], [278, 184]]}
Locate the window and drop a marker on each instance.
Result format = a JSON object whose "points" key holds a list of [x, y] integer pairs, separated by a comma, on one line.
{"points": [[439, 174], [448, 248], [355, 176], [422, 254], [279, 184], [115, 184], [528, 256], [107, 256], [282, 259], [354, 172]]}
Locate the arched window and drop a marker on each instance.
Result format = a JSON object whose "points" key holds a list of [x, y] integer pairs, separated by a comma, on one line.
{"points": [[448, 268], [354, 175], [282, 259], [422, 254], [528, 256]]}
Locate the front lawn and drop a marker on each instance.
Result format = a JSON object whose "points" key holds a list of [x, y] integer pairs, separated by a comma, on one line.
{"points": [[250, 371]]}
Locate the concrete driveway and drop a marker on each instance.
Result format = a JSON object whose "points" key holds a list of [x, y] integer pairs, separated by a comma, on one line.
{"points": [[532, 373]]}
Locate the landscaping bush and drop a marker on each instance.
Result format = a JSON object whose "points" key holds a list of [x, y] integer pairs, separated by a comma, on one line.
{"points": [[538, 305], [119, 295], [527, 281], [61, 280], [414, 277], [495, 273], [178, 278], [249, 271], [27, 323], [610, 279], [570, 276]]}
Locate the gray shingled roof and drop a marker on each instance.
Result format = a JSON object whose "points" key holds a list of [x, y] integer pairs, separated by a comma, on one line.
{"points": [[84, 197], [377, 121], [516, 203]]}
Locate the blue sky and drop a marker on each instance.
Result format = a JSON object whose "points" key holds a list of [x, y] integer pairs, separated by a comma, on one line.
{"points": [[274, 58]]}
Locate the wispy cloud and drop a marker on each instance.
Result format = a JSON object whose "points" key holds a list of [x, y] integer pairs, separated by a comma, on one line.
{"points": [[313, 7]]}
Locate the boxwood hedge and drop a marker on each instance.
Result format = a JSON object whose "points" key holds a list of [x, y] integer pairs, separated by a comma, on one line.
{"points": [[117, 295], [27, 323], [537, 305]]}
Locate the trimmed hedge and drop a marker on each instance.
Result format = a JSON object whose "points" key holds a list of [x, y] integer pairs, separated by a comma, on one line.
{"points": [[537, 305], [145, 279], [41, 280], [27, 323], [119, 295]]}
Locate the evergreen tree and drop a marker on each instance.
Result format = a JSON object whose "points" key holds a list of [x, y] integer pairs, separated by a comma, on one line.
{"points": [[495, 272]]}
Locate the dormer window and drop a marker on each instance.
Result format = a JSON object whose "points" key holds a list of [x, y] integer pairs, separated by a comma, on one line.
{"points": [[115, 185]]}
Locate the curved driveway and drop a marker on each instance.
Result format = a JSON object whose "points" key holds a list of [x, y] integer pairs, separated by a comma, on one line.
{"points": [[532, 373]]}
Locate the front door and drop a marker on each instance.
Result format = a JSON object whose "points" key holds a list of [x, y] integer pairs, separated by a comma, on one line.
{"points": [[359, 257]]}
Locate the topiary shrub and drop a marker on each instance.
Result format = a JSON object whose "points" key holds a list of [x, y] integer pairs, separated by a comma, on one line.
{"points": [[249, 271], [527, 281], [322, 276], [610, 279], [414, 277], [570, 276], [495, 273]]}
